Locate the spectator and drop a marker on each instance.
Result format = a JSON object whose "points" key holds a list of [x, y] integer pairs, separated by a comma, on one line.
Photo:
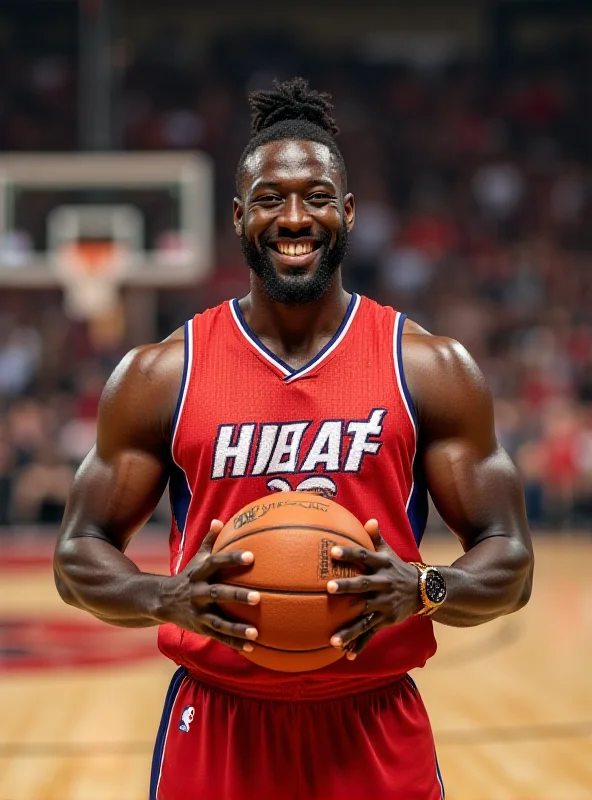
{"points": [[474, 215]]}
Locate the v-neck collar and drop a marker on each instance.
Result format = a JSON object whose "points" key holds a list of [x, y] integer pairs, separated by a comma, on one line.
{"points": [[290, 374]]}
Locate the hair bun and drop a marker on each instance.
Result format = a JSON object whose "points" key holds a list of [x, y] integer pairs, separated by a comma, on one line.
{"points": [[292, 100]]}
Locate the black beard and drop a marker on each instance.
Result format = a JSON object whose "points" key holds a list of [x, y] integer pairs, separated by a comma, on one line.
{"points": [[296, 289]]}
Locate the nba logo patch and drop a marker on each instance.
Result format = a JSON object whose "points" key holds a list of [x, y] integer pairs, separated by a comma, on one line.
{"points": [[186, 719]]}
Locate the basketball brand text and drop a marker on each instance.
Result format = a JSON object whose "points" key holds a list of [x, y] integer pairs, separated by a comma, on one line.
{"points": [[329, 568], [258, 511]]}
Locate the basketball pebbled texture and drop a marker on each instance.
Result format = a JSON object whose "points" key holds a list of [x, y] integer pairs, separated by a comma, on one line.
{"points": [[291, 535]]}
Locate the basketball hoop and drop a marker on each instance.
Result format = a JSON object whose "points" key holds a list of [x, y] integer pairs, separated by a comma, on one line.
{"points": [[90, 273]]}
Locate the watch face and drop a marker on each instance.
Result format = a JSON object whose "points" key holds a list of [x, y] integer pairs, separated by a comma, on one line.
{"points": [[435, 586]]}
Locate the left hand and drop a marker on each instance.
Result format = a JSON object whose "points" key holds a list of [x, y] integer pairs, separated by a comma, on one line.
{"points": [[391, 585]]}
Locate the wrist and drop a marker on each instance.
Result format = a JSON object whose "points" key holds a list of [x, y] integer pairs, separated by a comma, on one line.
{"points": [[431, 588], [415, 603], [165, 598]]}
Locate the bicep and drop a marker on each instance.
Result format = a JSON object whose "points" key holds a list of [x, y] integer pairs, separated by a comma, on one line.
{"points": [[471, 479], [120, 482]]}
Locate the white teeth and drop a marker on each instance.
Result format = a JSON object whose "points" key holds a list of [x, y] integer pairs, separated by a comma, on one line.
{"points": [[294, 249]]}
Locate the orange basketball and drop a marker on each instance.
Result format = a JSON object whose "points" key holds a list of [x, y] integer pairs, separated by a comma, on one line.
{"points": [[291, 535]]}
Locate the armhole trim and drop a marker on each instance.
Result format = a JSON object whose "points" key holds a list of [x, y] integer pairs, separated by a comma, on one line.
{"points": [[179, 488], [399, 370], [417, 500], [187, 363]]}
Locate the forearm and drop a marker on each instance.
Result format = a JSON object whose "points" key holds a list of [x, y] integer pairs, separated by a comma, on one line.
{"points": [[491, 579], [93, 575]]}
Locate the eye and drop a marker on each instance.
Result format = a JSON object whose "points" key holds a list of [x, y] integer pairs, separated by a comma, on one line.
{"points": [[268, 199], [320, 197]]}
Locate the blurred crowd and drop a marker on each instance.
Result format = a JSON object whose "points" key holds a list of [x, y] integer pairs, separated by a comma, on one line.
{"points": [[474, 216]]}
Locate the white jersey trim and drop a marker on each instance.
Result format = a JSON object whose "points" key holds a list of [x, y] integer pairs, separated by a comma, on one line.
{"points": [[255, 343], [291, 375], [332, 346]]}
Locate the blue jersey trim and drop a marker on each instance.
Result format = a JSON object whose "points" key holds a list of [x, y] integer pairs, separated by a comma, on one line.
{"points": [[180, 495], [417, 507], [406, 391], [163, 728], [294, 372], [254, 338]]}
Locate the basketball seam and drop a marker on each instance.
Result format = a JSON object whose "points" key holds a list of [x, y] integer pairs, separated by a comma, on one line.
{"points": [[281, 650], [291, 527]]}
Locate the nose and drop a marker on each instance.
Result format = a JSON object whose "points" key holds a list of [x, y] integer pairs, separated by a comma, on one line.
{"points": [[294, 215]]}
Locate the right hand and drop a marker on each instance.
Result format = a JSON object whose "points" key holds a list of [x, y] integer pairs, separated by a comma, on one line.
{"points": [[189, 599]]}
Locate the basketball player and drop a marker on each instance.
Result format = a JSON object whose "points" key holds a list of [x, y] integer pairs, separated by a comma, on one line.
{"points": [[300, 384]]}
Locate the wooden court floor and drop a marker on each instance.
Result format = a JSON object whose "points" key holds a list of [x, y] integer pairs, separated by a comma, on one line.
{"points": [[510, 702]]}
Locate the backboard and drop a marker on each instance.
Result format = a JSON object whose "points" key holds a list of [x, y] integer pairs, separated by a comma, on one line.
{"points": [[155, 209]]}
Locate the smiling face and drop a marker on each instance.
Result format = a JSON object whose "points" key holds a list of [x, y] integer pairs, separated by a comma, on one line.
{"points": [[293, 219]]}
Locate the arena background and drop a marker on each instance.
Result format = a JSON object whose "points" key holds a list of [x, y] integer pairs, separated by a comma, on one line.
{"points": [[467, 131]]}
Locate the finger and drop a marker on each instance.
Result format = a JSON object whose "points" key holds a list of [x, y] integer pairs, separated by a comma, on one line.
{"points": [[360, 585], [373, 531], [360, 555], [216, 526], [359, 644], [343, 637], [223, 593], [237, 632], [213, 563], [239, 645]]}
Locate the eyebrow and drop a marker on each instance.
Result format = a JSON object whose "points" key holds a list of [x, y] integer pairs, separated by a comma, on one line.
{"points": [[261, 184]]}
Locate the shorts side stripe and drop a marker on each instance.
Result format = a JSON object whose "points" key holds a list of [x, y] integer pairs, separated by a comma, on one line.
{"points": [[440, 781], [163, 731], [412, 683]]}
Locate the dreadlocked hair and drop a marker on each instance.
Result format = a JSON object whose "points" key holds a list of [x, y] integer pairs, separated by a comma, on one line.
{"points": [[292, 111]]}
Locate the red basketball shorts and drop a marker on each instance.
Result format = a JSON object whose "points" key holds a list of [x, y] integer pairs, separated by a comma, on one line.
{"points": [[216, 745]]}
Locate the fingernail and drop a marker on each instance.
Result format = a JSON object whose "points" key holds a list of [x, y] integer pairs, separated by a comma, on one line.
{"points": [[252, 633], [337, 552], [248, 647], [247, 558], [332, 587], [336, 641], [351, 656], [253, 598]]}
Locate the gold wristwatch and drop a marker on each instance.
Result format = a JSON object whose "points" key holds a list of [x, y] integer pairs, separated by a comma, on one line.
{"points": [[432, 588]]}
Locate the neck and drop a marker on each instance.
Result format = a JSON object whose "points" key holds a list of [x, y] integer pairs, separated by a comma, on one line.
{"points": [[295, 333]]}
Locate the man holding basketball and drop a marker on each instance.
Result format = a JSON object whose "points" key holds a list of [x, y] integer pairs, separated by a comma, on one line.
{"points": [[299, 385]]}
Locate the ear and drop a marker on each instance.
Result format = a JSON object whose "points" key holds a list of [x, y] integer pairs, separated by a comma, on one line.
{"points": [[349, 210], [237, 205]]}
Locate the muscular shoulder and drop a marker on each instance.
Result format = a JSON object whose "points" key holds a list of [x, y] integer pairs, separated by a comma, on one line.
{"points": [[141, 395], [446, 384]]}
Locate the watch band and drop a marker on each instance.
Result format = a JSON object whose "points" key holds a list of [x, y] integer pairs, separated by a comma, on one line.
{"points": [[428, 606]]}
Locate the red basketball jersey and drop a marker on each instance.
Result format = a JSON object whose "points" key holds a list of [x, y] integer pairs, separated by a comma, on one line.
{"points": [[247, 424]]}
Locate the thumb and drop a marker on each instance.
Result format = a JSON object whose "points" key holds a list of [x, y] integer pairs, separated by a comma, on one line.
{"points": [[373, 530]]}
